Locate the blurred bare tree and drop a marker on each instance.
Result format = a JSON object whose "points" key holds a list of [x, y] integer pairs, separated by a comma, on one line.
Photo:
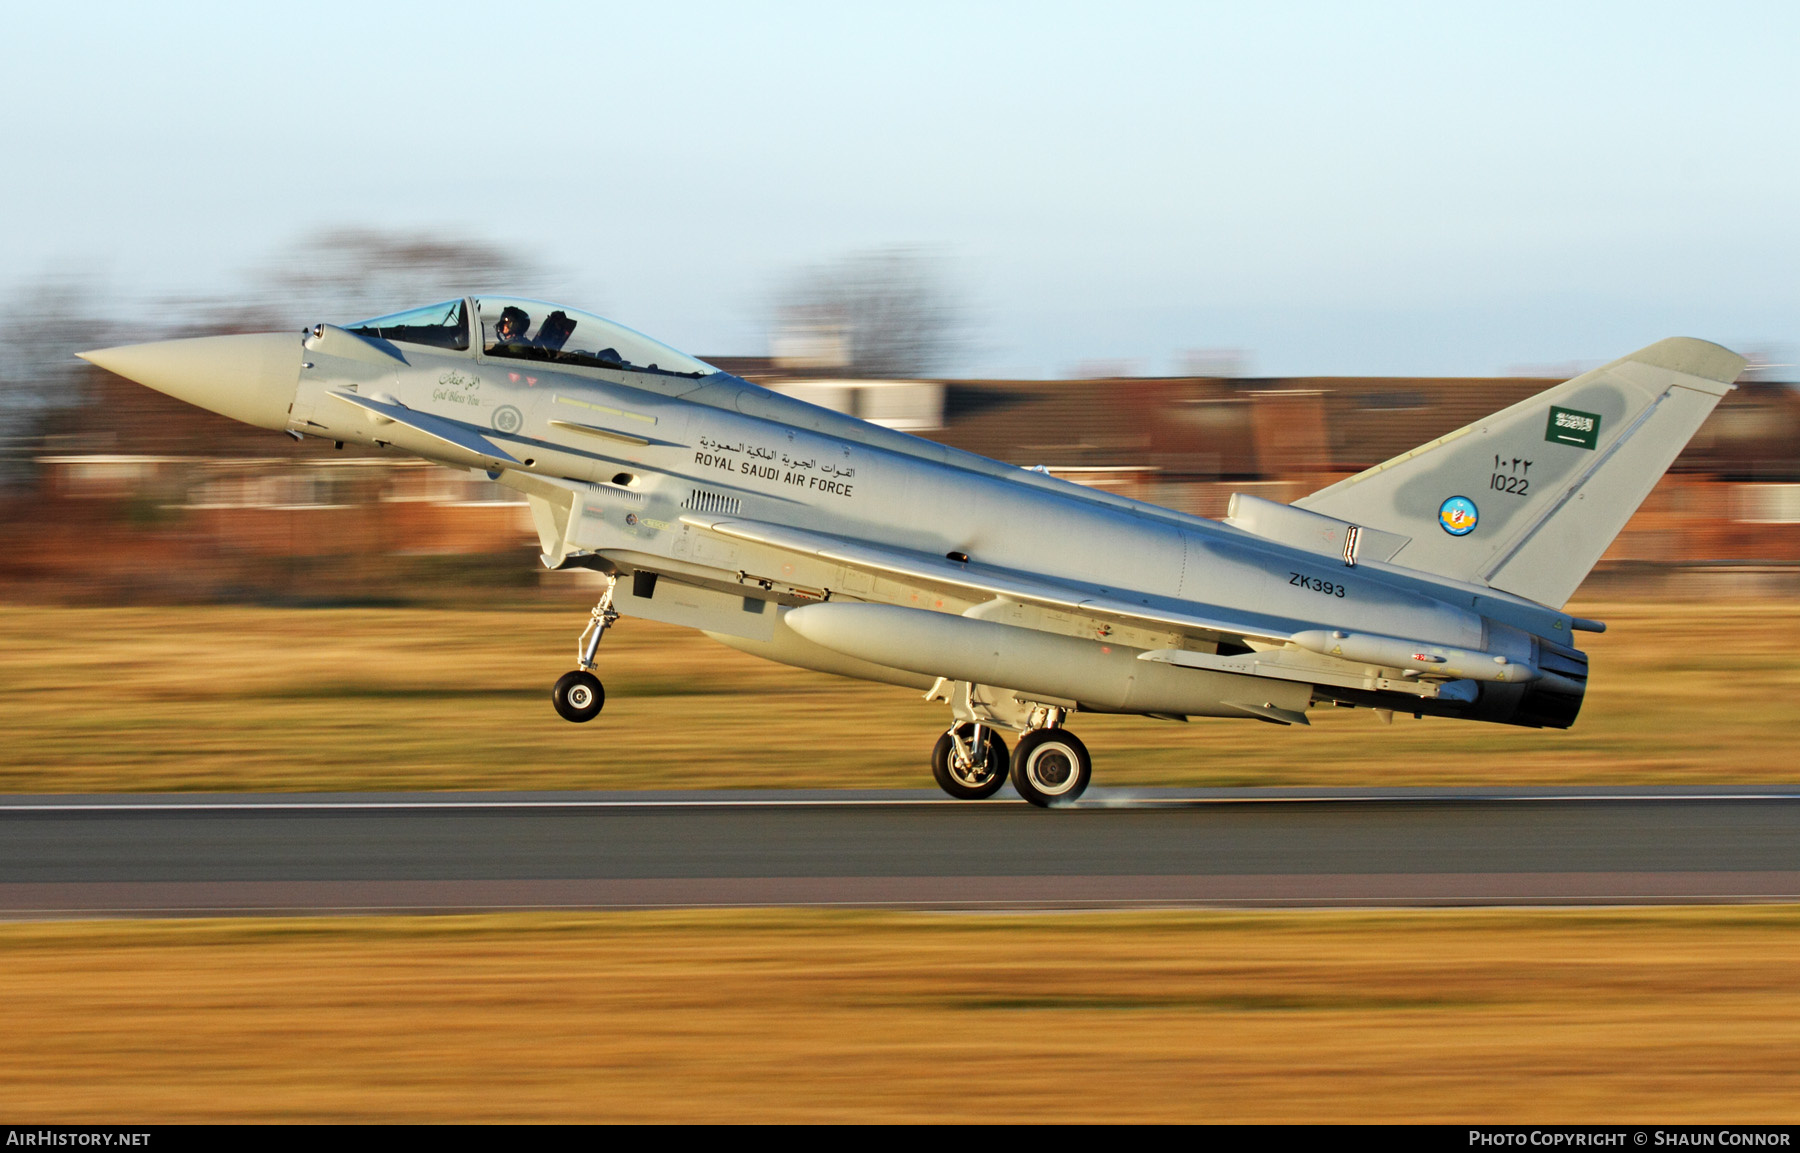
{"points": [[46, 322], [889, 313], [354, 273]]}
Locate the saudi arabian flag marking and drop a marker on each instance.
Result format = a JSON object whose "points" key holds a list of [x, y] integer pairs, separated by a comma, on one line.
{"points": [[1569, 426]]}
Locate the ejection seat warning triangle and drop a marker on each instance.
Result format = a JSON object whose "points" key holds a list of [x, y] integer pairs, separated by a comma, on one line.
{"points": [[1569, 426]]}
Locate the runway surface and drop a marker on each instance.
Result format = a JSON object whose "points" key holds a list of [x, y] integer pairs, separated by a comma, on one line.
{"points": [[184, 853]]}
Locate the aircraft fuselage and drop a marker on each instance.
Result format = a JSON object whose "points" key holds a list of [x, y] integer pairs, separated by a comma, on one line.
{"points": [[653, 458]]}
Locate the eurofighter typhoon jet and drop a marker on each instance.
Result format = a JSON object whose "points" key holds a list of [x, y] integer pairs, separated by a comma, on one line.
{"points": [[1431, 584]]}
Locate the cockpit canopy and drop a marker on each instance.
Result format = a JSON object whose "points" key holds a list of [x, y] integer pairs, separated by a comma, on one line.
{"points": [[514, 328], [438, 325], [535, 330]]}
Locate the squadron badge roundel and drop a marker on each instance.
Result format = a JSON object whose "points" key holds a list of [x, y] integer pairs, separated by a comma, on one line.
{"points": [[1458, 515], [507, 419]]}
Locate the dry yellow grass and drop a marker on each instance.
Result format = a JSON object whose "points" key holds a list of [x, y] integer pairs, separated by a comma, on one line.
{"points": [[1675, 1015], [246, 699]]}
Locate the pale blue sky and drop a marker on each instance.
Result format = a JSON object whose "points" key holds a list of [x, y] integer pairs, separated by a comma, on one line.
{"points": [[1429, 188]]}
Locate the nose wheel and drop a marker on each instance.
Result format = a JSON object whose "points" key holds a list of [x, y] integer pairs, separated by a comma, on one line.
{"points": [[969, 762], [579, 696]]}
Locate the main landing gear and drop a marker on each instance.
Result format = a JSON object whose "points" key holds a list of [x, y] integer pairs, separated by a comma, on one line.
{"points": [[579, 696], [969, 761], [1049, 767]]}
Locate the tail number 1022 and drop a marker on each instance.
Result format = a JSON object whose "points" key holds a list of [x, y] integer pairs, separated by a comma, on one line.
{"points": [[1510, 475]]}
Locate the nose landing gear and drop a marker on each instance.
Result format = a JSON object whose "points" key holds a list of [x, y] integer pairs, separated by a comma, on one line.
{"points": [[579, 696]]}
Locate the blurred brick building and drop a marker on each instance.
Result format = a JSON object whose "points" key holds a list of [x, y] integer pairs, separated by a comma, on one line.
{"points": [[141, 497]]}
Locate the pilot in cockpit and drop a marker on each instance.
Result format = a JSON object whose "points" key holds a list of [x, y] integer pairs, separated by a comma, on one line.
{"points": [[510, 329]]}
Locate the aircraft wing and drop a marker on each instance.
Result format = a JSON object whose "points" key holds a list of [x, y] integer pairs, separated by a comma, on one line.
{"points": [[924, 568]]}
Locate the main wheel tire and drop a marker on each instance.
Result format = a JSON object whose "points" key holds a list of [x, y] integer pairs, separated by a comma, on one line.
{"points": [[1051, 767], [578, 696], [966, 782]]}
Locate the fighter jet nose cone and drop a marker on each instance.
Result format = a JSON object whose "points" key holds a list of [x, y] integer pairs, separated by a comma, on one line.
{"points": [[249, 378]]}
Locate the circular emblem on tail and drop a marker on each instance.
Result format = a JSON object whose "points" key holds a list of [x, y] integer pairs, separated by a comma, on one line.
{"points": [[1458, 515], [507, 419]]}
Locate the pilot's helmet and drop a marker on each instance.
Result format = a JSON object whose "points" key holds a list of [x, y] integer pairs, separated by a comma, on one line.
{"points": [[513, 323]]}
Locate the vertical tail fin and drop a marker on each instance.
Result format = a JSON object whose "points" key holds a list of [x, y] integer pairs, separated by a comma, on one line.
{"points": [[1527, 499]]}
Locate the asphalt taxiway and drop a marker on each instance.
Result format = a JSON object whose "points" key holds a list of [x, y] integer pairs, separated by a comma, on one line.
{"points": [[171, 854]]}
